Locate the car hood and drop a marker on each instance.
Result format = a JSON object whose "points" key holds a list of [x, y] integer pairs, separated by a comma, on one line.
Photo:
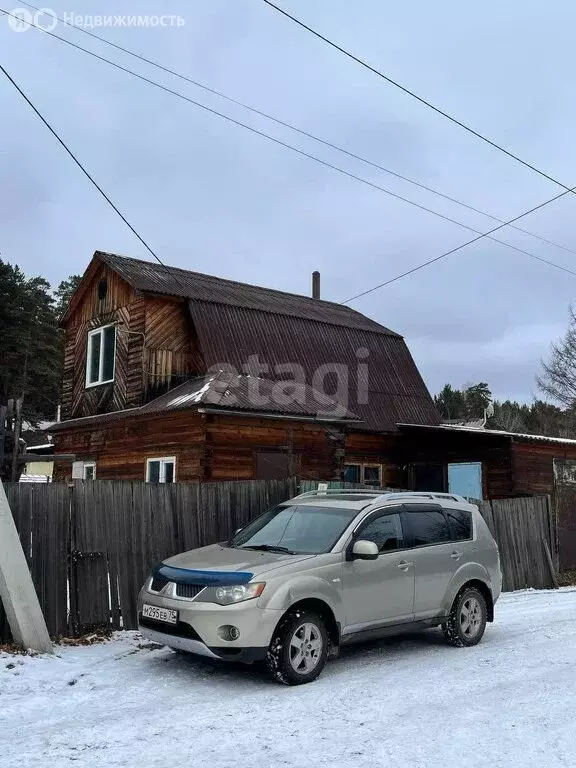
{"points": [[219, 558]]}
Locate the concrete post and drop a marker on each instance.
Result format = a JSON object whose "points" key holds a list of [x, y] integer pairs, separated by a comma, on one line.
{"points": [[16, 588]]}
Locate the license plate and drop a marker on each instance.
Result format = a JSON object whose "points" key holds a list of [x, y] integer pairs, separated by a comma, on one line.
{"points": [[166, 615]]}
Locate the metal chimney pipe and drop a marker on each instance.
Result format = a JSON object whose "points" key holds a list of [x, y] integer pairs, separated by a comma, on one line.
{"points": [[315, 285]]}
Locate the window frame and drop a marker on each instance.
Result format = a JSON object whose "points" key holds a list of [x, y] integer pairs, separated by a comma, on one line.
{"points": [[354, 464], [375, 514], [91, 335], [89, 464], [409, 539], [446, 510], [162, 474], [372, 464], [361, 471]]}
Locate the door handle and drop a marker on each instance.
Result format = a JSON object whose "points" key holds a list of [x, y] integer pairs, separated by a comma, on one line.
{"points": [[404, 565], [456, 555]]}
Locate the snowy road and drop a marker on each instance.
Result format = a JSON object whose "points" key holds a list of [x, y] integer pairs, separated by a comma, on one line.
{"points": [[406, 703]]}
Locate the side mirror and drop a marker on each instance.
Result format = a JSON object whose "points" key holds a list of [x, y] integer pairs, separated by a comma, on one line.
{"points": [[237, 531], [364, 550]]}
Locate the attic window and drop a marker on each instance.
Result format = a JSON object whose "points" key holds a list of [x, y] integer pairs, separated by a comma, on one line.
{"points": [[102, 289], [100, 358]]}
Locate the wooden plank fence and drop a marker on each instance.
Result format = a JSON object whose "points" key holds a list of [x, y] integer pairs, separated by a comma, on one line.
{"points": [[91, 545]]}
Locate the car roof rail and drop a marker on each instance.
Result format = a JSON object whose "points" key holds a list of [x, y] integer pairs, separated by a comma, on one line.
{"points": [[339, 492], [422, 495]]}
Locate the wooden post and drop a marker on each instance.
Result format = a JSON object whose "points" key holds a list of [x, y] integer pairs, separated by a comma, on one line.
{"points": [[16, 445], [17, 589]]}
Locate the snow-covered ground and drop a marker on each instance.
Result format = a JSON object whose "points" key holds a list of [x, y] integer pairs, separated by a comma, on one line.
{"points": [[406, 702]]}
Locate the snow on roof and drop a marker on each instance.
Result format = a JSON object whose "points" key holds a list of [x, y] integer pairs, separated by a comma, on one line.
{"points": [[191, 397], [502, 433]]}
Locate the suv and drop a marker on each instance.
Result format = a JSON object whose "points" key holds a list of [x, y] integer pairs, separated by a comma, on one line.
{"points": [[323, 570]]}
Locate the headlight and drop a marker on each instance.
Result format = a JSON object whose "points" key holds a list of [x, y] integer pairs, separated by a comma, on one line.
{"points": [[236, 593]]}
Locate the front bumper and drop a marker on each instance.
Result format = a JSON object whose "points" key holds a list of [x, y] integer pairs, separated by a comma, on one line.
{"points": [[198, 625], [244, 655]]}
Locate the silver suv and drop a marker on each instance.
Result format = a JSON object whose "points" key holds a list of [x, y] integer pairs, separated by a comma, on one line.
{"points": [[323, 570]]}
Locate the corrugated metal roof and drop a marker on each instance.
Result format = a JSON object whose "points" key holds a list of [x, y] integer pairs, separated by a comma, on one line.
{"points": [[234, 321], [229, 336], [150, 277], [494, 433], [227, 392]]}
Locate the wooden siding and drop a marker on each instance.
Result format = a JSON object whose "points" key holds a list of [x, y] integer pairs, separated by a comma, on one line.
{"points": [[155, 346], [373, 448], [120, 449], [206, 448], [169, 352], [232, 444], [92, 312], [423, 446], [533, 465]]}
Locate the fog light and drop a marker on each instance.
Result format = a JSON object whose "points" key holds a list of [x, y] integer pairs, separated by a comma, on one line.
{"points": [[228, 632]]}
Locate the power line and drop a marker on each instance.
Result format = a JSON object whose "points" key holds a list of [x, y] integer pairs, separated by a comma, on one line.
{"points": [[83, 169], [295, 128], [310, 156], [460, 247], [414, 95]]}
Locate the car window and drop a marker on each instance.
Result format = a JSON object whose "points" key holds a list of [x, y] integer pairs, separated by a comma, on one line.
{"points": [[427, 524], [299, 528], [385, 531], [460, 521]]}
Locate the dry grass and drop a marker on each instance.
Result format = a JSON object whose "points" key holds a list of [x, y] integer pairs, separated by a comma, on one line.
{"points": [[99, 636], [567, 578]]}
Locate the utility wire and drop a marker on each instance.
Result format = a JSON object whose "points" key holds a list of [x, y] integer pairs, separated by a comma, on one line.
{"points": [[459, 248], [310, 156], [83, 169], [295, 128], [415, 95]]}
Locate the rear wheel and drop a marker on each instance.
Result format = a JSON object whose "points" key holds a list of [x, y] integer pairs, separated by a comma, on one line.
{"points": [[467, 620], [299, 647]]}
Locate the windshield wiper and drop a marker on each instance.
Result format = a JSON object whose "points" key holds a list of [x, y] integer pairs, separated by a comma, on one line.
{"points": [[269, 548]]}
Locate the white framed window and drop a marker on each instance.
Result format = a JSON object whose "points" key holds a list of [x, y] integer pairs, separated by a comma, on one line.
{"points": [[162, 470], [101, 355], [83, 470], [365, 474], [89, 470], [372, 475]]}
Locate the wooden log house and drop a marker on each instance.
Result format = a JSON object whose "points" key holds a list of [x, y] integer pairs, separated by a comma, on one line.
{"points": [[171, 375]]}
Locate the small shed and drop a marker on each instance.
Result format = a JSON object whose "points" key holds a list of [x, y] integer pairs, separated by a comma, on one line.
{"points": [[484, 463]]}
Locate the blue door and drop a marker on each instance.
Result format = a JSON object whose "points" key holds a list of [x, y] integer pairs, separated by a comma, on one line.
{"points": [[465, 479]]}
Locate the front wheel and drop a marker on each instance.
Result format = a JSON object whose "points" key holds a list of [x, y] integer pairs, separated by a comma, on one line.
{"points": [[467, 620], [299, 647]]}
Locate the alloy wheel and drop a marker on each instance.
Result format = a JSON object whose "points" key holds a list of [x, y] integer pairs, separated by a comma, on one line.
{"points": [[305, 648], [470, 617]]}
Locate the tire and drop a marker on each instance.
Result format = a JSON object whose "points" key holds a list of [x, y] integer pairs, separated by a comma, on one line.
{"points": [[467, 621], [298, 649]]}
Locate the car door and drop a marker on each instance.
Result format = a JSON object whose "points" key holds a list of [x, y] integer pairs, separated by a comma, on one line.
{"points": [[381, 591], [430, 549]]}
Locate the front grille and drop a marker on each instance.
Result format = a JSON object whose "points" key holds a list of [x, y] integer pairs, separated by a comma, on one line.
{"points": [[189, 590], [181, 629], [158, 583]]}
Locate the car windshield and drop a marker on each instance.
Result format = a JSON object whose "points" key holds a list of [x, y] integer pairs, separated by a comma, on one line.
{"points": [[295, 529]]}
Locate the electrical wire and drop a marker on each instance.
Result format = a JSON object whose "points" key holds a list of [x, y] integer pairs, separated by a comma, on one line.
{"points": [[414, 95], [459, 248], [313, 157], [296, 129], [83, 169]]}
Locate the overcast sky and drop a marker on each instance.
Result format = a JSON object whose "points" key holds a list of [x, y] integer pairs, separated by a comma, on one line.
{"points": [[212, 197]]}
